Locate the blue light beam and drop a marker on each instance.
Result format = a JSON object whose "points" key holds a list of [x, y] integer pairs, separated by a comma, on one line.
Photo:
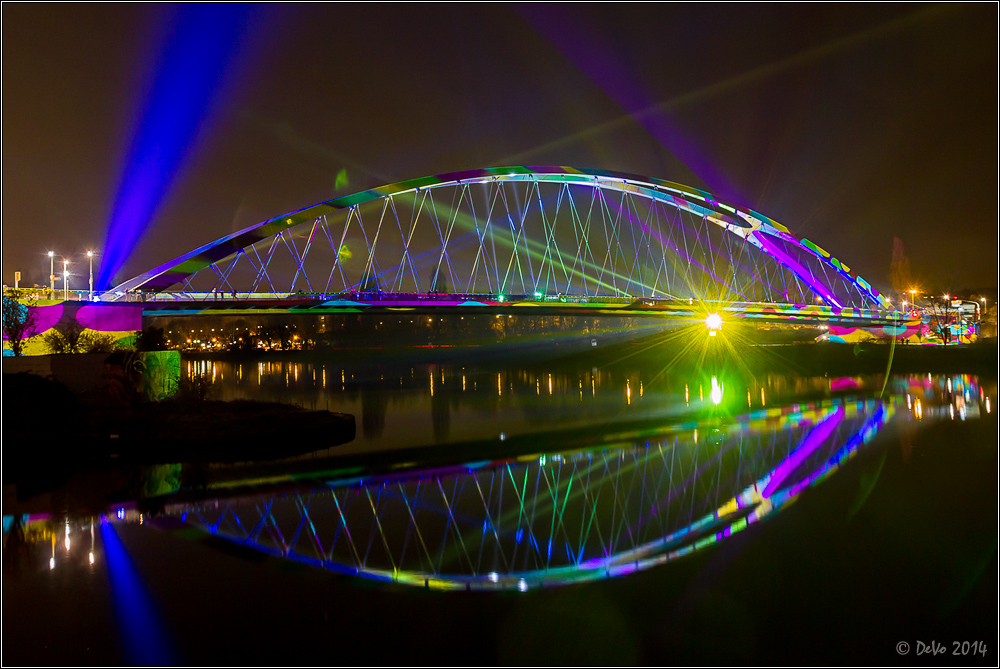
{"points": [[195, 58]]}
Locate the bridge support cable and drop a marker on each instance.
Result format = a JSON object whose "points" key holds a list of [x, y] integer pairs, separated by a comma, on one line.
{"points": [[584, 234], [370, 272], [336, 249], [263, 275], [407, 239], [300, 261], [453, 213]]}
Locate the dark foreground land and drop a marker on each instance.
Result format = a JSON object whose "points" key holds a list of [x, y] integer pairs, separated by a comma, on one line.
{"points": [[898, 546], [48, 427]]}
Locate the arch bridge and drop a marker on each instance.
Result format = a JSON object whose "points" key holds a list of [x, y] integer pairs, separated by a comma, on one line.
{"points": [[521, 239]]}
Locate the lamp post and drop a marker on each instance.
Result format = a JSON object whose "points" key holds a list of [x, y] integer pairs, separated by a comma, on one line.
{"points": [[65, 280], [90, 297], [52, 274], [946, 326]]}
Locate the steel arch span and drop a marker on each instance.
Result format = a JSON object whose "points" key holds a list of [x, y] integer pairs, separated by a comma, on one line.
{"points": [[532, 232]]}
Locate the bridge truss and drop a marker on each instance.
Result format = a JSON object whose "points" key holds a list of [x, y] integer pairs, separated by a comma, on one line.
{"points": [[524, 233], [555, 518]]}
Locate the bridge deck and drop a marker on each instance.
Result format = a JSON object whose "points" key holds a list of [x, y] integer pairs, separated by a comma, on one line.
{"points": [[444, 304]]}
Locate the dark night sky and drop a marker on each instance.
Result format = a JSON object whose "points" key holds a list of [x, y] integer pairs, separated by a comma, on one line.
{"points": [[851, 124]]}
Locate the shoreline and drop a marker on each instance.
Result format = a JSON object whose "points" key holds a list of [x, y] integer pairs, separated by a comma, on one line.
{"points": [[980, 358]]}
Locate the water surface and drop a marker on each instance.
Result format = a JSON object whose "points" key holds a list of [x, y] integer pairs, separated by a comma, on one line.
{"points": [[525, 479]]}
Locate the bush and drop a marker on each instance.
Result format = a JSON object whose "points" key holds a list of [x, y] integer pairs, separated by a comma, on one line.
{"points": [[70, 337], [196, 388], [20, 320], [97, 342], [66, 336], [151, 339]]}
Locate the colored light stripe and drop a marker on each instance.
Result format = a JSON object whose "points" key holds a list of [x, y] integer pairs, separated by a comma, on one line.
{"points": [[800, 271]]}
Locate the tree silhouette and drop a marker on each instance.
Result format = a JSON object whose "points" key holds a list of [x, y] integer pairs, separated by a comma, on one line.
{"points": [[151, 339], [899, 268], [66, 336], [20, 322], [943, 317]]}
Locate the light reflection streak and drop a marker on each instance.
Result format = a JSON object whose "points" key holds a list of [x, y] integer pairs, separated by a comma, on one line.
{"points": [[146, 642]]}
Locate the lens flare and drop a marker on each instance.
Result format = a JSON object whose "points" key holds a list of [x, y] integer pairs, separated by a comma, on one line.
{"points": [[716, 393]]}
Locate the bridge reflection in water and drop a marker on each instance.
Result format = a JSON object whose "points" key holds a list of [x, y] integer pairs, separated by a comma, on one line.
{"points": [[554, 518]]}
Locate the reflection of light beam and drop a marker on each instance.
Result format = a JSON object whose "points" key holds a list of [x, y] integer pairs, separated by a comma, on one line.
{"points": [[191, 68], [810, 443], [145, 640]]}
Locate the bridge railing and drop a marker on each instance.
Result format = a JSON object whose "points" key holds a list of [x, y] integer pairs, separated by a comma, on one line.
{"points": [[379, 296], [46, 293], [430, 298]]}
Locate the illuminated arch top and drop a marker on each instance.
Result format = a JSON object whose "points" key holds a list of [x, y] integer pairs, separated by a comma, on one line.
{"points": [[528, 231]]}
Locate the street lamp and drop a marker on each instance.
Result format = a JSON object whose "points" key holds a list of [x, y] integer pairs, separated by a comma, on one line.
{"points": [[65, 280], [52, 273], [90, 297]]}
